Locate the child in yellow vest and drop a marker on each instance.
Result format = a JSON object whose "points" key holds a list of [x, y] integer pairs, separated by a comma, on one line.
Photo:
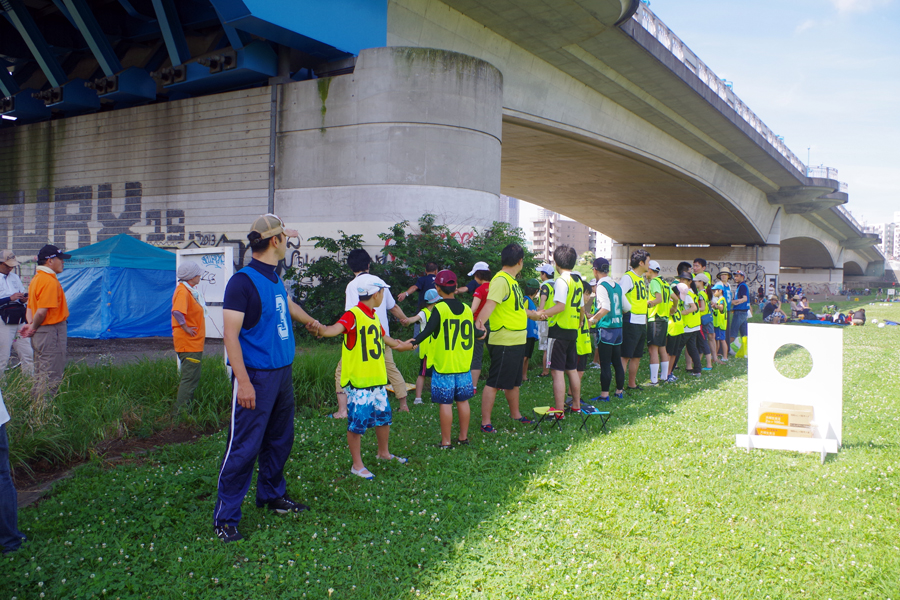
{"points": [[431, 297], [450, 334], [363, 372], [720, 305]]}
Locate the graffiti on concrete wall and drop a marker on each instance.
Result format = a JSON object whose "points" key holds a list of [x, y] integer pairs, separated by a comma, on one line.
{"points": [[754, 272]]}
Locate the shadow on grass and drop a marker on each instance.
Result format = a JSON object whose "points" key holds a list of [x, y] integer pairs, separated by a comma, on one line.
{"points": [[381, 539]]}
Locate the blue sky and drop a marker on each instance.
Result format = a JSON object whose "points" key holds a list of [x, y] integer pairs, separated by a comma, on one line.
{"points": [[825, 74]]}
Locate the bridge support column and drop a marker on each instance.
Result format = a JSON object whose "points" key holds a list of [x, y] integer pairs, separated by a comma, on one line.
{"points": [[410, 131]]}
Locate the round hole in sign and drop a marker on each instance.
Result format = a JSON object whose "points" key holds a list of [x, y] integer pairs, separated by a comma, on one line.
{"points": [[793, 361]]}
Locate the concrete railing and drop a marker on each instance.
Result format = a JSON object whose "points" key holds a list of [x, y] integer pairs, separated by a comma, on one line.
{"points": [[849, 217], [655, 27]]}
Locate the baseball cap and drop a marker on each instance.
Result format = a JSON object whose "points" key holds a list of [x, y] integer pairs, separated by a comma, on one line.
{"points": [[686, 275], [702, 277], [592, 282], [741, 273], [531, 284], [367, 285], [546, 269], [601, 264], [447, 277], [8, 258], [479, 266], [51, 251], [653, 266], [432, 296], [268, 225]]}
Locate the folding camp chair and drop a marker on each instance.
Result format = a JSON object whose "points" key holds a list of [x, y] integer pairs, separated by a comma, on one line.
{"points": [[550, 415], [589, 410]]}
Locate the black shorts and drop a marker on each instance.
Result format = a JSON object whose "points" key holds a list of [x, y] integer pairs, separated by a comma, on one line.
{"points": [[634, 338], [563, 355], [702, 344], [477, 355], [505, 372], [656, 332], [529, 347], [424, 370], [674, 345], [582, 362]]}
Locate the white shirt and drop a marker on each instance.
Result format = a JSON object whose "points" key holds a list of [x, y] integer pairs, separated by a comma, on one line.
{"points": [[603, 300], [351, 299], [683, 290], [10, 284]]}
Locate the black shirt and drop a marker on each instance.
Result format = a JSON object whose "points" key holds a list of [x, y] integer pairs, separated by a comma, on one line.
{"points": [[768, 309], [241, 293]]}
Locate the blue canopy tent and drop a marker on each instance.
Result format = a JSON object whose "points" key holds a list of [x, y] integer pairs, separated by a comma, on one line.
{"points": [[119, 288]]}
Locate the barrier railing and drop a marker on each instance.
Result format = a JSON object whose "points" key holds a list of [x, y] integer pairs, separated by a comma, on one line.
{"points": [[655, 27]]}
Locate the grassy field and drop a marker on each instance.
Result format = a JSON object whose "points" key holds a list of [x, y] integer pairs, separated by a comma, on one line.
{"points": [[662, 506]]}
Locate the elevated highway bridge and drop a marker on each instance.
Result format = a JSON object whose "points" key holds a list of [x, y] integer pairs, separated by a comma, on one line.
{"points": [[177, 122]]}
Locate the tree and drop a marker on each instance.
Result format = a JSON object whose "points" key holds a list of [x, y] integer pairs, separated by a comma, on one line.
{"points": [[587, 258]]}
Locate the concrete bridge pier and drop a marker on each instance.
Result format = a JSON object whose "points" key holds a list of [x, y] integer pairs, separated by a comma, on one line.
{"points": [[760, 263], [410, 131]]}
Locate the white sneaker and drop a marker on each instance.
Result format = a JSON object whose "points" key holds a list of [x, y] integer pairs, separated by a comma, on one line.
{"points": [[418, 401]]}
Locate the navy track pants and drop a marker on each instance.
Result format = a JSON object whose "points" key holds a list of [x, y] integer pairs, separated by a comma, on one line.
{"points": [[265, 433]]}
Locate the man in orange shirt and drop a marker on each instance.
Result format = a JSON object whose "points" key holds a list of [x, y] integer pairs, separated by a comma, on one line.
{"points": [[46, 322], [188, 331]]}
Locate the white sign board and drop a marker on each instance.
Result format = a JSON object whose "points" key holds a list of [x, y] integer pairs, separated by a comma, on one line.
{"points": [[218, 266], [891, 291], [822, 388]]}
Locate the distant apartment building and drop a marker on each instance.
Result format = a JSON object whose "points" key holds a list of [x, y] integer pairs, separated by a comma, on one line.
{"points": [[509, 211], [552, 230], [889, 234], [601, 245]]}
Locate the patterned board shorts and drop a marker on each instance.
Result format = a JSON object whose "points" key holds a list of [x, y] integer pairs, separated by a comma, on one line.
{"points": [[367, 408], [447, 388]]}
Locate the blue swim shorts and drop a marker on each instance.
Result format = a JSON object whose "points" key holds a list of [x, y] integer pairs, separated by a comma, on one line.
{"points": [[445, 389], [367, 408]]}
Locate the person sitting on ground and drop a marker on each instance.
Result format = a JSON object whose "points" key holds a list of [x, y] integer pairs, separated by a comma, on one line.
{"points": [[804, 308], [772, 312], [859, 317]]}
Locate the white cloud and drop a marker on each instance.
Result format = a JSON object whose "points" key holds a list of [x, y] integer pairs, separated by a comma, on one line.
{"points": [[807, 24], [861, 6]]}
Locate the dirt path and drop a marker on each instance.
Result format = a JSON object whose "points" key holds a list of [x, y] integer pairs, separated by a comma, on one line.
{"points": [[92, 352]]}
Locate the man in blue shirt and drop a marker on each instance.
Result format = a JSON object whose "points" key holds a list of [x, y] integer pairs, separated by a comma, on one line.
{"points": [[259, 340], [740, 305]]}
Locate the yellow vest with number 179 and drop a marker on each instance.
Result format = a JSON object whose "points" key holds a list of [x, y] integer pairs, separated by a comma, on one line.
{"points": [[451, 351]]}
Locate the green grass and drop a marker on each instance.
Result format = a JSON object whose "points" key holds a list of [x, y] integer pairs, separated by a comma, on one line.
{"points": [[663, 506]]}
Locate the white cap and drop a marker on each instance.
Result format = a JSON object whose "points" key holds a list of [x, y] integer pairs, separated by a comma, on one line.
{"points": [[547, 269], [367, 285], [592, 282], [653, 266], [479, 266]]}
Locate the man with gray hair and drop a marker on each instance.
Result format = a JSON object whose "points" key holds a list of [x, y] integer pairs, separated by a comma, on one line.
{"points": [[12, 315], [188, 330]]}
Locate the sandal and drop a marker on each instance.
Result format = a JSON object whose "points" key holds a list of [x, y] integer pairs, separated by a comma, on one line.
{"points": [[525, 420], [443, 447], [364, 473], [488, 428], [464, 442], [399, 459]]}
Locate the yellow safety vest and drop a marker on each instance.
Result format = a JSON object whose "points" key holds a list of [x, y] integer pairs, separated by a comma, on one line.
{"points": [[583, 343], [637, 295], [570, 315], [720, 320], [692, 319], [676, 322], [362, 366], [451, 351], [426, 343], [509, 314], [660, 311], [548, 285]]}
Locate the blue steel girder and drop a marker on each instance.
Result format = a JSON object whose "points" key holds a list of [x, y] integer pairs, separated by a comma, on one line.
{"points": [[173, 34], [8, 85], [97, 41], [132, 12], [27, 28], [65, 12]]}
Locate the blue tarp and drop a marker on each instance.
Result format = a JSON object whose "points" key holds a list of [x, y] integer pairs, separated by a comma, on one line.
{"points": [[119, 288]]}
